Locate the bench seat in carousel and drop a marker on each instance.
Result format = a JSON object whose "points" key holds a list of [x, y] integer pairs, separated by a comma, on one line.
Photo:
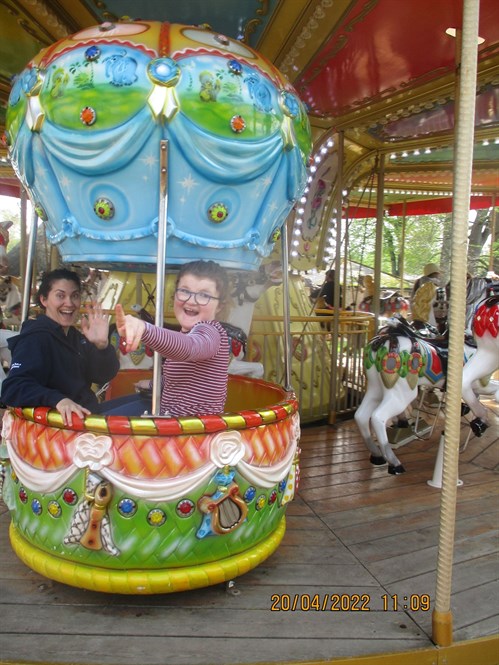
{"points": [[152, 504]]}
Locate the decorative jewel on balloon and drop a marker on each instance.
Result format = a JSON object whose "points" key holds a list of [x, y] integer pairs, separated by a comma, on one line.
{"points": [[164, 71], [218, 213], [237, 124], [88, 116], [275, 235], [104, 208], [92, 53], [235, 67]]}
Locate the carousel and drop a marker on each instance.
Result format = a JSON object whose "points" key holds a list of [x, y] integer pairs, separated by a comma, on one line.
{"points": [[144, 145]]}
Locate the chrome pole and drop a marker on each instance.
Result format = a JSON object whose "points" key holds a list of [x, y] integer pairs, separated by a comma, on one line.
{"points": [[285, 308], [28, 273], [160, 269]]}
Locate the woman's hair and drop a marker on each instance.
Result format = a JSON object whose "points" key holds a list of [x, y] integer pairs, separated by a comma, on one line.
{"points": [[208, 270], [48, 279]]}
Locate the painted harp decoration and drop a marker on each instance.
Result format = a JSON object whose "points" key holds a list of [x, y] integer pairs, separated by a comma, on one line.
{"points": [[224, 510]]}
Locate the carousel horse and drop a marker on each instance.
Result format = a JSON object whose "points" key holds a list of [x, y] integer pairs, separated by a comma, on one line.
{"points": [[391, 301], [10, 302], [401, 358], [4, 241]]}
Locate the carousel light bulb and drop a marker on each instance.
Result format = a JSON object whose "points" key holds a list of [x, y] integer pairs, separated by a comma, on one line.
{"points": [[303, 199], [427, 151], [393, 155], [299, 221], [294, 253], [296, 243], [313, 169], [297, 232], [301, 211]]}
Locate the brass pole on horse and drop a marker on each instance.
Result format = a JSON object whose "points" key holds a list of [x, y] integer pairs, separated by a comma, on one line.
{"points": [[160, 269]]}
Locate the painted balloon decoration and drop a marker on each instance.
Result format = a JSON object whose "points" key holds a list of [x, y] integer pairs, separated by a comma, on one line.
{"points": [[84, 123]]}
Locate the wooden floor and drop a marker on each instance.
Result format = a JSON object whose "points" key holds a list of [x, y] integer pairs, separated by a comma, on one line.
{"points": [[353, 530]]}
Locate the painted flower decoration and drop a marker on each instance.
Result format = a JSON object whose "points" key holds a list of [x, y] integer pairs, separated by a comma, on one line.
{"points": [[93, 451], [164, 71], [227, 448], [7, 422]]}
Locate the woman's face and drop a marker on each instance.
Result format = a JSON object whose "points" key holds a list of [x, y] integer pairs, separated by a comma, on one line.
{"points": [[188, 312], [63, 302]]}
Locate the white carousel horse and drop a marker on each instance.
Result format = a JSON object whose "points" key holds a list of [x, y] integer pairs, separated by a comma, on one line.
{"points": [[400, 359]]}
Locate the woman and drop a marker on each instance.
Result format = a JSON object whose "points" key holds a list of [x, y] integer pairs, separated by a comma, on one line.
{"points": [[53, 364], [195, 369]]}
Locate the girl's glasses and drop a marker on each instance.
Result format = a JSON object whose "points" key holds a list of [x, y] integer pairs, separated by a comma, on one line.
{"points": [[200, 297]]}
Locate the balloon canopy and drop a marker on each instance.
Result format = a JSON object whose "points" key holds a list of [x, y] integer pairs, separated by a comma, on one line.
{"points": [[84, 124]]}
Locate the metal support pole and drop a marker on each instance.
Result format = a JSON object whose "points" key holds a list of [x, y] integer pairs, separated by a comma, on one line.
{"points": [[380, 205], [23, 243], [285, 308], [493, 222], [402, 247], [463, 163], [160, 269], [333, 384], [28, 273]]}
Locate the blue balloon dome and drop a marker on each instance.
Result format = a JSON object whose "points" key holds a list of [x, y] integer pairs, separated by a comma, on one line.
{"points": [[84, 124]]}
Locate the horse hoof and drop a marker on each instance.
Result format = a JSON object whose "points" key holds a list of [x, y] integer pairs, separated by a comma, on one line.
{"points": [[465, 409], [377, 460], [478, 426], [396, 470]]}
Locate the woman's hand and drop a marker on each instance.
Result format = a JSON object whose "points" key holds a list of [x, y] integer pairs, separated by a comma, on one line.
{"points": [[130, 328], [67, 407], [95, 325]]}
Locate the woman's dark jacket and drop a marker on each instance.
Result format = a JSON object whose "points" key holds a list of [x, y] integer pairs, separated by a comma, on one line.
{"points": [[48, 365]]}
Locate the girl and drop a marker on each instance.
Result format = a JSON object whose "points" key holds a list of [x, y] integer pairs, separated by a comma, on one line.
{"points": [[195, 370]]}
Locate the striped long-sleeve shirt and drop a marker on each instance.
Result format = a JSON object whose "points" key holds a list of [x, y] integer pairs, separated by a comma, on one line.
{"points": [[194, 380]]}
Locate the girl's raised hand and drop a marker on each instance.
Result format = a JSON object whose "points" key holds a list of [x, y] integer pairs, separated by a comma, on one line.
{"points": [[130, 328]]}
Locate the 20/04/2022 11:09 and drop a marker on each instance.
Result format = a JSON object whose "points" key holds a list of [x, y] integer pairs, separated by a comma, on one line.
{"points": [[335, 602]]}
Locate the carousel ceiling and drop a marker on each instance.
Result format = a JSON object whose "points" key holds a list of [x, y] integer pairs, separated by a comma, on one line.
{"points": [[380, 73]]}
